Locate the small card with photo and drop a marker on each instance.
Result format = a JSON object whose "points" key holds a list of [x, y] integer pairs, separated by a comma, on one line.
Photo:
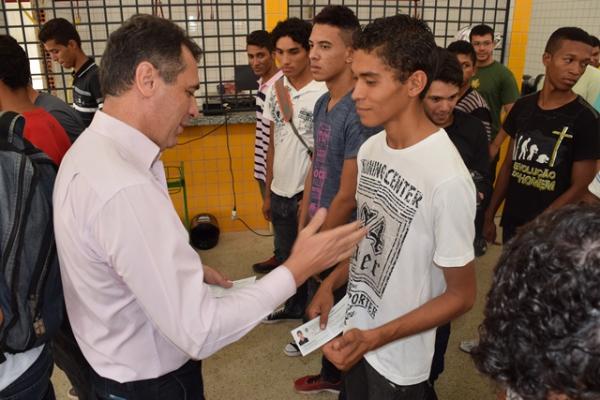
{"points": [[309, 337]]}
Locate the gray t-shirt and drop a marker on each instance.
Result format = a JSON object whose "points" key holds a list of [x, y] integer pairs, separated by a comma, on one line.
{"points": [[338, 135], [66, 116]]}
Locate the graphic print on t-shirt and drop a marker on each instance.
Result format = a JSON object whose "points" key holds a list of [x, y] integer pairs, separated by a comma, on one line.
{"points": [[387, 206], [536, 155], [319, 172]]}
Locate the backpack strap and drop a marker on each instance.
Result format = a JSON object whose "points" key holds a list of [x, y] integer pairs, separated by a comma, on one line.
{"points": [[11, 124], [287, 110]]}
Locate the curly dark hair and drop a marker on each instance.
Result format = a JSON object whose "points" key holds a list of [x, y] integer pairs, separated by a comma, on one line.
{"points": [[541, 331], [297, 29], [404, 43], [143, 38]]}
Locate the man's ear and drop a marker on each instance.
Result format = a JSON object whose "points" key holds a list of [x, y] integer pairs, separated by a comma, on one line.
{"points": [[349, 54], [145, 78], [72, 44], [546, 58], [416, 83]]}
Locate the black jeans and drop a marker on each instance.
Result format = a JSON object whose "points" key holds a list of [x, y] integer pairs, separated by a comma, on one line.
{"points": [[362, 382], [184, 383], [33, 384], [69, 358], [284, 217], [442, 335]]}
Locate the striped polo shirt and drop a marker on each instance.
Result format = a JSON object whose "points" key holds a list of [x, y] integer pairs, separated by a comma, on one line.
{"points": [[261, 143], [87, 97]]}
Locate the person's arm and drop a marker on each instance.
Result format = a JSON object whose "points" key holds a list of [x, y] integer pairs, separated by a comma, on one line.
{"points": [[509, 93], [303, 217], [498, 195], [344, 202], [582, 173], [266, 209], [458, 298], [149, 250]]}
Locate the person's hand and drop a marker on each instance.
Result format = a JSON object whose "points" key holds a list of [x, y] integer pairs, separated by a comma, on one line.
{"points": [[348, 349], [214, 277], [493, 149], [321, 304], [489, 230], [315, 251], [266, 208]]}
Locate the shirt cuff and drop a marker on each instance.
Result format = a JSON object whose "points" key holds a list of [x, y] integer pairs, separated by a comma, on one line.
{"points": [[280, 283]]}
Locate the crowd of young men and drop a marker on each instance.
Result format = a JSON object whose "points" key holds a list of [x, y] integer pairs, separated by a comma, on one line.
{"points": [[376, 124]]}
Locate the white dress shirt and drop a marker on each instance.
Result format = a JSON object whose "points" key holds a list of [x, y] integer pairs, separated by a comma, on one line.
{"points": [[133, 285]]}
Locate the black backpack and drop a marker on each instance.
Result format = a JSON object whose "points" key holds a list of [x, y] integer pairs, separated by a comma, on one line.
{"points": [[31, 297]]}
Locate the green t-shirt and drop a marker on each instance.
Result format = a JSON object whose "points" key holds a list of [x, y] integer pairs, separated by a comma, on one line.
{"points": [[498, 87]]}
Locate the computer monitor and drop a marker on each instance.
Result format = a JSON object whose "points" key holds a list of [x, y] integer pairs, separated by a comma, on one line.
{"points": [[245, 78]]}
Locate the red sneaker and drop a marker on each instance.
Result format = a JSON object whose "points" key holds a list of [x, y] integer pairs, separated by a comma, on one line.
{"points": [[265, 266], [312, 384]]}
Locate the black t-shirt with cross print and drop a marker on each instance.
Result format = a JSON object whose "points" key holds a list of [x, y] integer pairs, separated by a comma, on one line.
{"points": [[547, 143]]}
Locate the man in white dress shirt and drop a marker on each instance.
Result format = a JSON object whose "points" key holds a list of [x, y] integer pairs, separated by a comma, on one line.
{"points": [[134, 288]]}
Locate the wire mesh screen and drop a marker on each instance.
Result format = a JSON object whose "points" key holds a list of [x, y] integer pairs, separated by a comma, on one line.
{"points": [[219, 27], [445, 17]]}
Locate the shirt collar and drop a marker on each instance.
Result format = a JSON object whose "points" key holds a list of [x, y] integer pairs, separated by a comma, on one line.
{"points": [[142, 151], [271, 81], [84, 68]]}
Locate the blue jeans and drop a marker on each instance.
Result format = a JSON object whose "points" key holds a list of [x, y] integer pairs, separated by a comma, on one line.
{"points": [[33, 384], [284, 217], [184, 383]]}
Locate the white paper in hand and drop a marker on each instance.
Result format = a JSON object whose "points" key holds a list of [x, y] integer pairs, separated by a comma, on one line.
{"points": [[218, 291], [309, 337]]}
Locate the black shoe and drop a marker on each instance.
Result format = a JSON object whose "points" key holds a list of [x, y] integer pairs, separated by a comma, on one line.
{"points": [[265, 266], [280, 315], [480, 247]]}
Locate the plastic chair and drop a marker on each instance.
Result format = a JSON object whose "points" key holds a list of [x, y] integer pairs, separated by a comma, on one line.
{"points": [[176, 184]]}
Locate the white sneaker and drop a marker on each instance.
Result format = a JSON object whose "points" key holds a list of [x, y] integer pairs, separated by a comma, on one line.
{"points": [[468, 345], [291, 350]]}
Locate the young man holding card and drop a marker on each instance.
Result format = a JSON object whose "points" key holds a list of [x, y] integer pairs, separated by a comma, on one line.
{"points": [[414, 270]]}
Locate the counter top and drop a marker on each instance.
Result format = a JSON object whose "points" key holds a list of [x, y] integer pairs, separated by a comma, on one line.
{"points": [[247, 117]]}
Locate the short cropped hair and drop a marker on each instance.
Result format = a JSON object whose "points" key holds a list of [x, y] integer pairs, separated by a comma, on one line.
{"points": [[14, 64], [61, 31], [594, 41], [260, 38], [566, 33], [340, 17], [481, 30], [541, 329], [143, 38], [404, 43], [463, 47], [446, 68], [295, 28]]}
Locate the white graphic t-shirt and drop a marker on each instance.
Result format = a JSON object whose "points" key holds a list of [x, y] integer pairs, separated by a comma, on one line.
{"points": [[419, 206], [291, 160]]}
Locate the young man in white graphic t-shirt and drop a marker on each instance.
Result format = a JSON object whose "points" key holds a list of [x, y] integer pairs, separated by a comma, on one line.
{"points": [[414, 270]]}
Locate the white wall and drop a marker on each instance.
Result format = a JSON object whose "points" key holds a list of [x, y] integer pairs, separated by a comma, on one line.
{"points": [[549, 15]]}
